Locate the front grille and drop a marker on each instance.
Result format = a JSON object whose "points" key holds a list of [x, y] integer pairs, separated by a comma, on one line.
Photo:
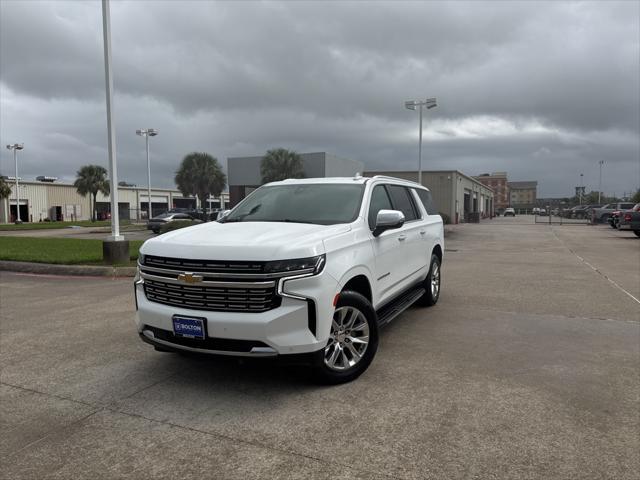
{"points": [[208, 266], [209, 343], [229, 298]]}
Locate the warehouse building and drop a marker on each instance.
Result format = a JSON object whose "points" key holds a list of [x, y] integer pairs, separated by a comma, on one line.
{"points": [[49, 200], [243, 173], [458, 196]]}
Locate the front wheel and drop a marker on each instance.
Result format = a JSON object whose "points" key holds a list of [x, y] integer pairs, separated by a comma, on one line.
{"points": [[353, 341], [432, 283], [637, 232]]}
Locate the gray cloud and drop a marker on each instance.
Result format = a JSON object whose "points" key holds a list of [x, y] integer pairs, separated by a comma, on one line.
{"points": [[542, 90]]}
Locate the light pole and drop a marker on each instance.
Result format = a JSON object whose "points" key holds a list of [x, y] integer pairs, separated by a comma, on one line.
{"points": [[601, 162], [146, 133], [115, 249], [581, 187], [411, 105], [15, 147]]}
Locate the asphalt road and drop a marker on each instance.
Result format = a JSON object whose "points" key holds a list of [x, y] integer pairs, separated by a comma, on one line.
{"points": [[529, 367]]}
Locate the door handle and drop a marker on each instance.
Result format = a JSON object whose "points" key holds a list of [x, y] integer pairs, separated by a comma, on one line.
{"points": [[423, 232], [402, 238]]}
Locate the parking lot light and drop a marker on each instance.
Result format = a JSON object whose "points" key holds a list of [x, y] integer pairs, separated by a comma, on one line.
{"points": [[429, 103], [146, 133], [15, 147]]}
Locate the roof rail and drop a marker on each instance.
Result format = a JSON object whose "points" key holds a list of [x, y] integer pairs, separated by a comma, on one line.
{"points": [[387, 177]]}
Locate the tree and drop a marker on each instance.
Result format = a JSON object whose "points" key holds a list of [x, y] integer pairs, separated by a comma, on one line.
{"points": [[280, 164], [5, 189], [92, 179], [200, 174], [636, 196]]}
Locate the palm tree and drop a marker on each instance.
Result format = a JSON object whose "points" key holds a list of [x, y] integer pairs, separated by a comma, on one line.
{"points": [[280, 164], [200, 174], [5, 192], [92, 179], [5, 189]]}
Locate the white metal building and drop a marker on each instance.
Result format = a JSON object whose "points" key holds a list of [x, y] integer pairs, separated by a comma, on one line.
{"points": [[60, 201]]}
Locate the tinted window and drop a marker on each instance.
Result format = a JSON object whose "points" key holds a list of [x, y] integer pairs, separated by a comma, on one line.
{"points": [[379, 201], [401, 201], [321, 203], [427, 201], [626, 206]]}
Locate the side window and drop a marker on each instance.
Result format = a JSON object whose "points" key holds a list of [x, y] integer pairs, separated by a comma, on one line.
{"points": [[401, 200], [379, 201], [427, 201]]}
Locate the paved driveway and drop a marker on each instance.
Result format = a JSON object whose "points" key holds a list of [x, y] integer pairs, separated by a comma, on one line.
{"points": [[527, 368]]}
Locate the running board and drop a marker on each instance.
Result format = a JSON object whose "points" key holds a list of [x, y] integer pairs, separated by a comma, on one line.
{"points": [[398, 305]]}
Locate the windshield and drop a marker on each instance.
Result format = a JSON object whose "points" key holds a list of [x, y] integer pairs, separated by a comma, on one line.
{"points": [[323, 204]]}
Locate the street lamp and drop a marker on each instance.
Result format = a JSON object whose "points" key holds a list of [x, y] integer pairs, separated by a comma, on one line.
{"points": [[601, 162], [411, 105], [15, 147], [146, 133], [581, 187]]}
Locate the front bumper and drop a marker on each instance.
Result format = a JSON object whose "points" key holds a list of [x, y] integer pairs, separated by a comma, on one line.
{"points": [[299, 325]]}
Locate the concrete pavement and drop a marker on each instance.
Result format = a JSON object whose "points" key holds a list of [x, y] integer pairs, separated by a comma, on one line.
{"points": [[527, 368]]}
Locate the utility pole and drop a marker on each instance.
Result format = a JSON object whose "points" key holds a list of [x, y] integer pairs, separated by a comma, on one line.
{"points": [[601, 162]]}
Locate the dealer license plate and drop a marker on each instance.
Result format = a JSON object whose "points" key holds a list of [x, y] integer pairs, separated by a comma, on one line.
{"points": [[189, 327]]}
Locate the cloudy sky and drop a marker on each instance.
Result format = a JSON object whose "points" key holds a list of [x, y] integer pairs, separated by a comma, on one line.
{"points": [[540, 90]]}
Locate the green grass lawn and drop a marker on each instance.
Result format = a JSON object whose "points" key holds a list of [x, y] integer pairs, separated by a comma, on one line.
{"points": [[57, 250], [48, 225]]}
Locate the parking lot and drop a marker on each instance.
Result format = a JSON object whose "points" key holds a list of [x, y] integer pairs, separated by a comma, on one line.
{"points": [[527, 368]]}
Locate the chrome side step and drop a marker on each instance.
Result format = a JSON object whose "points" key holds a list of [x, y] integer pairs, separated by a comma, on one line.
{"points": [[398, 305]]}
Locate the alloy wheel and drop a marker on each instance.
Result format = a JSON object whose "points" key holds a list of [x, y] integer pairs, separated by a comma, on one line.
{"points": [[435, 280], [348, 339]]}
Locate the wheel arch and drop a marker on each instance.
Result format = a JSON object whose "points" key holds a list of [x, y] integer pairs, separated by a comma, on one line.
{"points": [[437, 250]]}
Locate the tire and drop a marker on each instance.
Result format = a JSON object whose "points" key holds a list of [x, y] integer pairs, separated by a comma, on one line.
{"points": [[432, 294], [331, 364], [637, 232]]}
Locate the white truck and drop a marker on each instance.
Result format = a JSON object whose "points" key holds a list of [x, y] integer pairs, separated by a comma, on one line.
{"points": [[307, 270]]}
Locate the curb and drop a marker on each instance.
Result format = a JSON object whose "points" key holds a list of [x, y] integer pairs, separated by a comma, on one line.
{"points": [[78, 270]]}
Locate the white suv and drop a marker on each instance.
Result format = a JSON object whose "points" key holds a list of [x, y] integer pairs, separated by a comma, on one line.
{"points": [[302, 269]]}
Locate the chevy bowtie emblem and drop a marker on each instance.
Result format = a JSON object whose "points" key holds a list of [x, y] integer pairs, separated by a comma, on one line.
{"points": [[190, 278]]}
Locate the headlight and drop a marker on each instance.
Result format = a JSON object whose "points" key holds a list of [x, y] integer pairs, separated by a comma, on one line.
{"points": [[299, 265], [141, 258]]}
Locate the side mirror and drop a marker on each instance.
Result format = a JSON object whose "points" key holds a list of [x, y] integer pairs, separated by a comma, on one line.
{"points": [[222, 214], [387, 220]]}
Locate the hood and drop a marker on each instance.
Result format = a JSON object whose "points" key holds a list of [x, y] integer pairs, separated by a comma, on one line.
{"points": [[256, 241]]}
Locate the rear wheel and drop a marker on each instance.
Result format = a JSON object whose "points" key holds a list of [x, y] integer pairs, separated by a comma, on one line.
{"points": [[353, 341], [432, 283], [637, 232]]}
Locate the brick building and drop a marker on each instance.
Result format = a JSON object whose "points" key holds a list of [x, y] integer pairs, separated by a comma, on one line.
{"points": [[497, 181]]}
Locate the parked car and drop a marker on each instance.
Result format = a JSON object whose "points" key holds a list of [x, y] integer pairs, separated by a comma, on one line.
{"points": [[305, 269], [509, 212], [602, 214], [613, 219], [630, 220], [583, 211], [542, 212], [156, 223]]}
